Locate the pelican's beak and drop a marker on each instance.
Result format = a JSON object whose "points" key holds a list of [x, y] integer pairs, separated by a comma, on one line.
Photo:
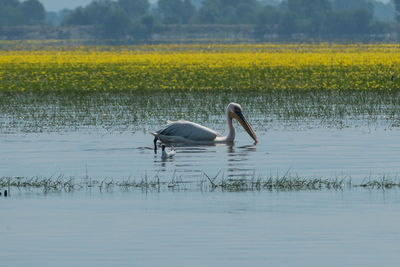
{"points": [[242, 120]]}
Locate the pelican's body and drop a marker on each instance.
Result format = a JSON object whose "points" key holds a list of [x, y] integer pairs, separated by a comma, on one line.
{"points": [[166, 154], [189, 132]]}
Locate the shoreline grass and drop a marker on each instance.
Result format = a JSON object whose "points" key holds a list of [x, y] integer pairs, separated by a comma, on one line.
{"points": [[279, 184]]}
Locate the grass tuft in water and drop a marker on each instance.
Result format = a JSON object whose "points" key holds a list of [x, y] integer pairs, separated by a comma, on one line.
{"points": [[206, 183]]}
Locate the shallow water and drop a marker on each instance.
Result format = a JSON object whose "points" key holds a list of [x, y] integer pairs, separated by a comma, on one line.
{"points": [[320, 152], [306, 228], [191, 227]]}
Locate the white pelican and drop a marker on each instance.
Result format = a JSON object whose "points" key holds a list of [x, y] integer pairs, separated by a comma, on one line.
{"points": [[189, 132], [166, 154]]}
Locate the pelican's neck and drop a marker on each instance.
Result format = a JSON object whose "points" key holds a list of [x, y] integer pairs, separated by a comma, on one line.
{"points": [[231, 130]]}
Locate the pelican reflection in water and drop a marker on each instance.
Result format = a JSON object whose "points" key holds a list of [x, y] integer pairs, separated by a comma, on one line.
{"points": [[189, 132]]}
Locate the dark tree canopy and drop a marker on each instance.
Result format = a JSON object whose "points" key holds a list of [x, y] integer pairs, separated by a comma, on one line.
{"points": [[134, 8], [352, 5], [9, 3], [33, 11], [286, 18], [13, 13], [228, 12], [108, 17], [309, 8], [176, 11], [397, 5]]}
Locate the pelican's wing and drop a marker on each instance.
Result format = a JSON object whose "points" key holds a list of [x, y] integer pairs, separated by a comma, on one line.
{"points": [[188, 130]]}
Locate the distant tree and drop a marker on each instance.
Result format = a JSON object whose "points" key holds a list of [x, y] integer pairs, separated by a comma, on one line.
{"points": [[309, 8], [246, 12], [143, 29], [114, 23], [362, 19], [235, 3], [109, 19], [269, 2], [176, 11], [148, 22], [134, 8], [305, 16], [228, 12], [346, 5], [52, 18], [77, 16], [268, 18], [384, 11], [288, 24], [269, 15], [9, 3], [350, 22], [33, 11], [239, 11], [98, 10], [209, 12], [397, 6], [10, 13]]}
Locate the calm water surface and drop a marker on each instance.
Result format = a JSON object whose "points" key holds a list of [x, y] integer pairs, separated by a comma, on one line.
{"points": [[353, 227], [317, 228], [318, 152]]}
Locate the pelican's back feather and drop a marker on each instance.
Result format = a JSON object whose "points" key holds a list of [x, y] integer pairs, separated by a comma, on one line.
{"points": [[188, 130]]}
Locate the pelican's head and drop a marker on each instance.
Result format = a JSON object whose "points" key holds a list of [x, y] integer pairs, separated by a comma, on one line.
{"points": [[235, 111]]}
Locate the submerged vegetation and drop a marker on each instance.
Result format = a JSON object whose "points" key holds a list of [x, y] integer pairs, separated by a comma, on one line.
{"points": [[117, 112]]}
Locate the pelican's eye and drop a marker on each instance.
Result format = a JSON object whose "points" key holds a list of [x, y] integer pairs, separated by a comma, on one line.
{"points": [[237, 110]]}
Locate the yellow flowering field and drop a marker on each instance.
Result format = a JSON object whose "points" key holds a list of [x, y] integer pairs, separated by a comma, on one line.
{"points": [[202, 67]]}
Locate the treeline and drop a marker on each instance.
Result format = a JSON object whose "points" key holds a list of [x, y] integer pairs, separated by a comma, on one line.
{"points": [[14, 12], [138, 19]]}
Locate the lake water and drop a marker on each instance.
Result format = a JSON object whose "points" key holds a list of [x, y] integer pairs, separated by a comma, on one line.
{"points": [[186, 228], [193, 227], [318, 152], [356, 227]]}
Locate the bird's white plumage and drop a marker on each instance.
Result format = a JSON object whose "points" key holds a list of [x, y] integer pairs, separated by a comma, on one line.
{"points": [[189, 132], [183, 131]]}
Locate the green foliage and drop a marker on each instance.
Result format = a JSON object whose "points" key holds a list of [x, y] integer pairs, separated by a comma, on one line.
{"points": [[114, 19], [318, 17], [131, 18], [14, 13], [397, 5], [308, 8], [110, 20], [134, 8], [176, 11], [77, 17], [9, 3], [228, 12], [33, 11], [10, 15], [352, 5]]}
